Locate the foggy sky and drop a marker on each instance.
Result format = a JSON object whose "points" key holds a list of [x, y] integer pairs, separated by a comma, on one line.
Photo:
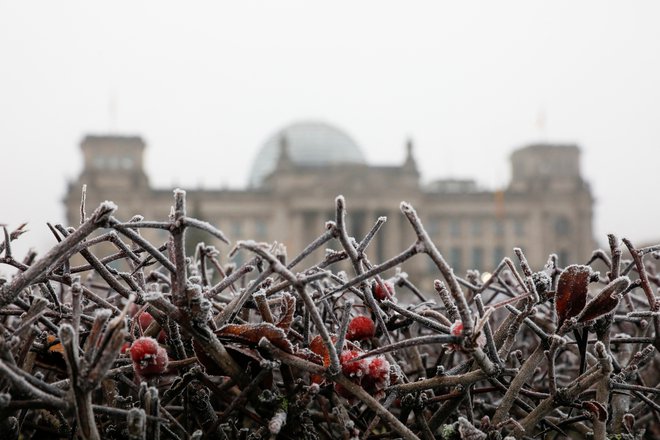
{"points": [[206, 84]]}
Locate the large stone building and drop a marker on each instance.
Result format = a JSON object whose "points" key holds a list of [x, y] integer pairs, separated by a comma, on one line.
{"points": [[546, 207]]}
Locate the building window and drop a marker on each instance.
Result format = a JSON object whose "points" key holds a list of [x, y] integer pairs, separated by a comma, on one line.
{"points": [[261, 230], [498, 228], [127, 162], [330, 215], [236, 230], [477, 257], [498, 255], [162, 235], [455, 227], [99, 162], [433, 227], [357, 220], [311, 221], [116, 265], [430, 264], [239, 258], [476, 227], [113, 163], [456, 259], [518, 227], [562, 226]]}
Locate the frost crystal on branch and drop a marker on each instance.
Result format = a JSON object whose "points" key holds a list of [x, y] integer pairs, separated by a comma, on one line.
{"points": [[255, 343]]}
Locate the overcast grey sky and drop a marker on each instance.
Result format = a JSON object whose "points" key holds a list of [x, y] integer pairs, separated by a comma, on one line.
{"points": [[205, 83]]}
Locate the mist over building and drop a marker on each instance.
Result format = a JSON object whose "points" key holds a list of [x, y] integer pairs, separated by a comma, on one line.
{"points": [[299, 170]]}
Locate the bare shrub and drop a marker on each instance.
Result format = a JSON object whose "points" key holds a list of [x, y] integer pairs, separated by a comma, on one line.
{"points": [[150, 342]]}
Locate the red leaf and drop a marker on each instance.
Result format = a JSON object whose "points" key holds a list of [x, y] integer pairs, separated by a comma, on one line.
{"points": [[252, 334], [288, 307], [606, 301], [318, 346], [571, 293]]}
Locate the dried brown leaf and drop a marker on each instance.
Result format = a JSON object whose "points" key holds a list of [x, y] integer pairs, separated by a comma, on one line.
{"points": [[596, 408], [252, 334], [606, 301], [571, 295], [288, 308]]}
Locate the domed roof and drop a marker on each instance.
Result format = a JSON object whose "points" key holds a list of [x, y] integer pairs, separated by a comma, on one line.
{"points": [[308, 143]]}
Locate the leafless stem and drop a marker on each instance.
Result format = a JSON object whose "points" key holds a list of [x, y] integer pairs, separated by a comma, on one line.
{"points": [[447, 272], [567, 394], [375, 406], [229, 280], [416, 317], [58, 253], [517, 383], [81, 390]]}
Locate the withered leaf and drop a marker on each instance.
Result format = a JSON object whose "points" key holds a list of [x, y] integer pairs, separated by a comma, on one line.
{"points": [[252, 334], [53, 346], [571, 295], [606, 301], [288, 308], [318, 346], [596, 408]]}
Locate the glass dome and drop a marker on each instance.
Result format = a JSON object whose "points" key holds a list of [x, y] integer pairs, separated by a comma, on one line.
{"points": [[309, 143]]}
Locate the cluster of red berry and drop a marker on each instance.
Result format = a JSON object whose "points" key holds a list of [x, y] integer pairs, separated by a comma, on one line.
{"points": [[148, 356], [373, 373]]}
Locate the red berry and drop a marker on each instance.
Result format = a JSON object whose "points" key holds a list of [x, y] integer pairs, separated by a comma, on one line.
{"points": [[145, 320], [379, 368], [148, 357], [353, 369], [383, 290], [456, 328], [377, 377], [125, 346], [360, 327]]}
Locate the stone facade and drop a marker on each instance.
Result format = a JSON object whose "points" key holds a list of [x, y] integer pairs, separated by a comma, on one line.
{"points": [[546, 207]]}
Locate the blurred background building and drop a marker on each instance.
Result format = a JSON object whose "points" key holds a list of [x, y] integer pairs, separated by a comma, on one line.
{"points": [[298, 172]]}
